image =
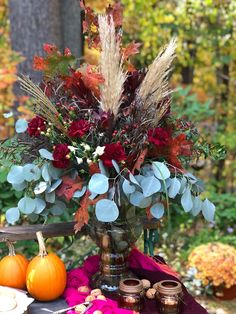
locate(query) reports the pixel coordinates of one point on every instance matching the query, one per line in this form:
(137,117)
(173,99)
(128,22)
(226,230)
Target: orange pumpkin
(46,274)
(13,269)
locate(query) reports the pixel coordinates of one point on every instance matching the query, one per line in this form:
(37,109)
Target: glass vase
(114,241)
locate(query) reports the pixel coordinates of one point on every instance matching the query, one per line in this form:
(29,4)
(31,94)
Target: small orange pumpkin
(46,274)
(13,269)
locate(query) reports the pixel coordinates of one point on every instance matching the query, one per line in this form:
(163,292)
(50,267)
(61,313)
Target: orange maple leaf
(69,187)
(140,160)
(131,49)
(92,80)
(82,215)
(93,168)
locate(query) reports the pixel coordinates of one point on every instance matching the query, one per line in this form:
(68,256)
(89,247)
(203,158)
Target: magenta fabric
(143,266)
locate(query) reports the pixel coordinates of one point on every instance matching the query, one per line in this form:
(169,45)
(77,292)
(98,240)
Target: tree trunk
(36,22)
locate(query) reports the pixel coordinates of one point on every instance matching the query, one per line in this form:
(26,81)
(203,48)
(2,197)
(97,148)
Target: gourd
(13,269)
(46,274)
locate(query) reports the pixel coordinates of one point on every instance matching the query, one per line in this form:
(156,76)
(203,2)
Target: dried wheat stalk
(110,66)
(42,105)
(154,87)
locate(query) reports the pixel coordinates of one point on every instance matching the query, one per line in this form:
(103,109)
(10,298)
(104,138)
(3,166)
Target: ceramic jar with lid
(131,294)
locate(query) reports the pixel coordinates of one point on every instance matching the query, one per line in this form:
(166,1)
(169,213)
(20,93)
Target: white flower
(85,146)
(72,149)
(8,115)
(79,160)
(99,151)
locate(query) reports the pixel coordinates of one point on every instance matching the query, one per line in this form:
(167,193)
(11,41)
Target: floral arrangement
(104,137)
(213,264)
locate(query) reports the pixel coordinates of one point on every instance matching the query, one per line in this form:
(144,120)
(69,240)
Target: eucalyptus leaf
(21,126)
(19,187)
(157,210)
(40,205)
(50,197)
(183,185)
(33,217)
(45,173)
(160,170)
(40,187)
(54,173)
(174,188)
(27,205)
(16,175)
(58,208)
(208,210)
(31,172)
(102,168)
(139,200)
(12,215)
(44,153)
(150,185)
(116,166)
(80,193)
(54,186)
(98,183)
(186,200)
(197,205)
(133,180)
(127,187)
(106,210)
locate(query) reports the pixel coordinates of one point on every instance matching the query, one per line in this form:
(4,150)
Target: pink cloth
(80,277)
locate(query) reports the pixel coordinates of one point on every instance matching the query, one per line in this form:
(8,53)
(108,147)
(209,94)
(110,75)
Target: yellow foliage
(215,264)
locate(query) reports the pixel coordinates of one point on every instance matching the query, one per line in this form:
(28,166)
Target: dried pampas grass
(154,87)
(42,105)
(110,66)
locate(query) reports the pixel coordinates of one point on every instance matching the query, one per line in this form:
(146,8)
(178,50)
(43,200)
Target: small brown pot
(223,293)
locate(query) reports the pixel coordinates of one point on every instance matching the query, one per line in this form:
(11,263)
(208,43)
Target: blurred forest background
(204,78)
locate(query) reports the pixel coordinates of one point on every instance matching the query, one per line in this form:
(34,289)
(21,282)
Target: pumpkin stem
(42,248)
(11,248)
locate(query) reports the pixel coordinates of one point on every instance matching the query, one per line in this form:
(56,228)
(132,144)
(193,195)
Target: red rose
(113,151)
(61,156)
(36,126)
(159,136)
(78,128)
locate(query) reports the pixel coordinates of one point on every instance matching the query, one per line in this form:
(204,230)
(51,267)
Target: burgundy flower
(60,155)
(78,128)
(36,126)
(113,151)
(159,136)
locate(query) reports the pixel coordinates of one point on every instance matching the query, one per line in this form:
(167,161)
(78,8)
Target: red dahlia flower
(78,128)
(61,156)
(36,126)
(159,136)
(113,151)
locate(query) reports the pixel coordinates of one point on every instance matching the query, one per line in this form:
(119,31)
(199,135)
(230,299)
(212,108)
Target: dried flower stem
(42,105)
(154,87)
(110,66)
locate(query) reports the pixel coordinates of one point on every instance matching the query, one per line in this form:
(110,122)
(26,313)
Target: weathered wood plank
(28,232)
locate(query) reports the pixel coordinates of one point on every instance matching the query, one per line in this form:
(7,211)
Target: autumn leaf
(148,213)
(69,186)
(93,168)
(92,80)
(131,49)
(82,215)
(39,63)
(116,11)
(140,160)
